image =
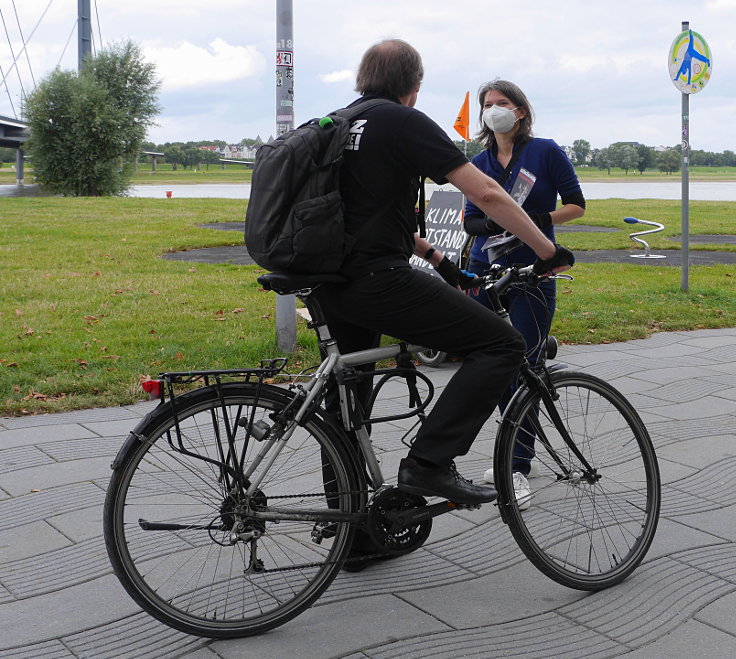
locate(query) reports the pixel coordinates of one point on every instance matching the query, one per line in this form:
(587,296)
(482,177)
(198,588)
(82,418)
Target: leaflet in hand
(503,243)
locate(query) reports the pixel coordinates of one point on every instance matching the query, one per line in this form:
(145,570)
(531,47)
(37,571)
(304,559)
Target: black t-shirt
(391,146)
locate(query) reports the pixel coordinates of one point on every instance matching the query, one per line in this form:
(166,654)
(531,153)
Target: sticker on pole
(690,62)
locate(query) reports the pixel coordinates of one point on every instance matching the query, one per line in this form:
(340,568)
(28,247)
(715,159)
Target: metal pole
(685,228)
(285,304)
(19,174)
(84,31)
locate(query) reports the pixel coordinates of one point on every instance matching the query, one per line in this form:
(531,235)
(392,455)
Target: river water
(699,190)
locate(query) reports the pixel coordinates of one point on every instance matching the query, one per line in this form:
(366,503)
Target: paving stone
(63,612)
(680,533)
(704,449)
(55,570)
(717,560)
(671,471)
(49,476)
(720,614)
(22,457)
(714,339)
(27,436)
(653,601)
(118,429)
(715,522)
(91,447)
(138,636)
(668,433)
(39,505)
(676,373)
(50,649)
(698,409)
(336,630)
(542,636)
(63,418)
(691,639)
(28,540)
(685,391)
(79,525)
(518,592)
(728,394)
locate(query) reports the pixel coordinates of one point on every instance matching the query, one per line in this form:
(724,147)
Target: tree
(668,161)
(87,128)
(645,158)
(581,150)
(209,158)
(175,156)
(602,159)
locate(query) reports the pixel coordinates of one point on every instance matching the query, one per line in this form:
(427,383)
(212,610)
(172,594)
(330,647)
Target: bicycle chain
(301,566)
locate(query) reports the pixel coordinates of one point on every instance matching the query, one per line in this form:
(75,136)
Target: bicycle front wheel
(177,525)
(594,498)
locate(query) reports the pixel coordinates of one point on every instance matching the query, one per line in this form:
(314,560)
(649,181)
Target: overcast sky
(592,70)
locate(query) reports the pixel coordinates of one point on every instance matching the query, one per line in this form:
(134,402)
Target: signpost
(690,65)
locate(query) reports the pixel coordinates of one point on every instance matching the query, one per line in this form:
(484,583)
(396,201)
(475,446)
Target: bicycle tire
(432,358)
(585,534)
(192,578)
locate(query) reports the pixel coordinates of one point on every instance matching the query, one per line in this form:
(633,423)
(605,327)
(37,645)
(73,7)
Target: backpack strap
(349,114)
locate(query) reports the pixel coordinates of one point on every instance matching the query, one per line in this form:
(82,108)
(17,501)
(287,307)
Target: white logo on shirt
(356,132)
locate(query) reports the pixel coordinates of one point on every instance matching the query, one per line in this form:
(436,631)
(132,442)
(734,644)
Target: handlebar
(500,278)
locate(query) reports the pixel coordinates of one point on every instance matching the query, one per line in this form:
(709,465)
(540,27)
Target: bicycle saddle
(286,283)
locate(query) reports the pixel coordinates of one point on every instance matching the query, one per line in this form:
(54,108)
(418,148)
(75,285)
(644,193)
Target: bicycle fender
(135,435)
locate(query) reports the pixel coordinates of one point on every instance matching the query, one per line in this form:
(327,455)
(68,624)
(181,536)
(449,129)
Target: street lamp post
(285,304)
(84,31)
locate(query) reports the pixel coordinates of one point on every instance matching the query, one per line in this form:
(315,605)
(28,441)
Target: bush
(87,128)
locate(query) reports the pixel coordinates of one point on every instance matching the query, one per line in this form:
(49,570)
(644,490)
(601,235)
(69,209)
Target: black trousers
(415,307)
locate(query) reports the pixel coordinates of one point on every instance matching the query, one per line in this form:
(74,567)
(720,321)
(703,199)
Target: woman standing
(534,171)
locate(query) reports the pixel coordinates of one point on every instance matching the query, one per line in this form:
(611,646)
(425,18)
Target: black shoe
(360,550)
(441,482)
(358,560)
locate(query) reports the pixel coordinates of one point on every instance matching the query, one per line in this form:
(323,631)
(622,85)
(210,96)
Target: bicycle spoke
(595,502)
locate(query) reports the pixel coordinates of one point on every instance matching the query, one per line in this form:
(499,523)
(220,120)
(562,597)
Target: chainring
(380,522)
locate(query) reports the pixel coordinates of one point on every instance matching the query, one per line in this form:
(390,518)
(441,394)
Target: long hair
(391,67)
(519,99)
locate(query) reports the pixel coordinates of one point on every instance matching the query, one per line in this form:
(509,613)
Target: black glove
(562,259)
(492,228)
(451,273)
(542,220)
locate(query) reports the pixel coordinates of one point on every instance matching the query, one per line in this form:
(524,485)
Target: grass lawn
(87,306)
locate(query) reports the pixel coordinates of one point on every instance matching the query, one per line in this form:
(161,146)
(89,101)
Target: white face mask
(498,119)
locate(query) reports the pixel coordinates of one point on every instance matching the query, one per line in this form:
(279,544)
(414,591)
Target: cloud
(721,5)
(188,65)
(337,76)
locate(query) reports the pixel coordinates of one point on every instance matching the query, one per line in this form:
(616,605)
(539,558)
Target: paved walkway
(467,592)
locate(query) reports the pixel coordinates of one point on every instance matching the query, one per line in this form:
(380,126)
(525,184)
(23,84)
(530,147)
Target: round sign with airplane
(690,62)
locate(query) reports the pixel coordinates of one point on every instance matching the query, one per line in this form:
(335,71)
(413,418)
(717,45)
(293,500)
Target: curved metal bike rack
(635,237)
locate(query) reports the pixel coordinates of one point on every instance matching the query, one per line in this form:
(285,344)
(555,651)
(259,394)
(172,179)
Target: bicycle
(232,507)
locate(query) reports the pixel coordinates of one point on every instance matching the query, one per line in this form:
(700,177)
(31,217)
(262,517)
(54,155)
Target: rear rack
(268,368)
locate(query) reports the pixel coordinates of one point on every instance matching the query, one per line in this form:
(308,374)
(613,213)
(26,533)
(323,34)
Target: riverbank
(234,174)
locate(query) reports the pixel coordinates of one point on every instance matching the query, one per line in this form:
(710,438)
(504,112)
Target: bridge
(13,133)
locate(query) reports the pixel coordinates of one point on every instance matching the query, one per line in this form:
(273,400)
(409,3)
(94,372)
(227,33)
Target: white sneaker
(521,488)
(533,471)
(521,491)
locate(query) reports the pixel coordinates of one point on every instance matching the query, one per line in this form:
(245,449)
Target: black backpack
(294,221)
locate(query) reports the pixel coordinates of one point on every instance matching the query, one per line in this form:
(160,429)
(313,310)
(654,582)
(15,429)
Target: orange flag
(462,123)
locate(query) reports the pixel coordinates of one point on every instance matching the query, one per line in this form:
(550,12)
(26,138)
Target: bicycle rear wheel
(177,527)
(586,528)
